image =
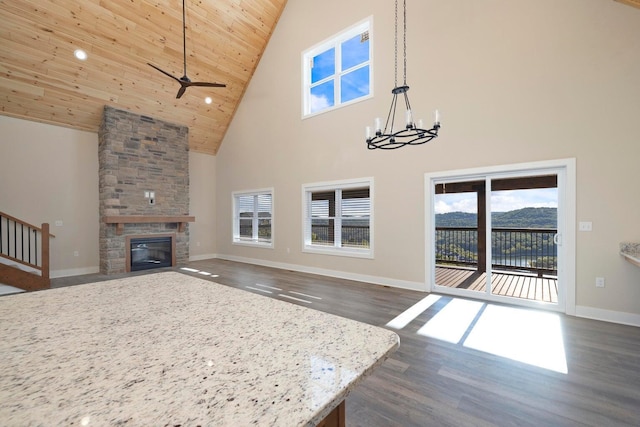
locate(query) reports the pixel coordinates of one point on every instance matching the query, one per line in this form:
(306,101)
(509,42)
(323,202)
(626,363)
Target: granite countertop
(631,252)
(169,349)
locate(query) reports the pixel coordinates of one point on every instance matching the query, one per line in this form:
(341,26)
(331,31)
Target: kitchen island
(169,349)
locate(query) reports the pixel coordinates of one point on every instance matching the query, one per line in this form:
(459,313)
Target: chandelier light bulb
(368,132)
(409,119)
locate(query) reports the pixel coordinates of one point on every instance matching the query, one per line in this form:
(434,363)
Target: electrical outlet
(585,226)
(599,282)
(58,223)
(76,253)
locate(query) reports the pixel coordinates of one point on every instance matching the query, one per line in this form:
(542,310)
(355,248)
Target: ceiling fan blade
(184,80)
(164,72)
(206,84)
(181,91)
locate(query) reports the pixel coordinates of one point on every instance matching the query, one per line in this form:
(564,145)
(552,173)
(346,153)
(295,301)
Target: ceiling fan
(185,81)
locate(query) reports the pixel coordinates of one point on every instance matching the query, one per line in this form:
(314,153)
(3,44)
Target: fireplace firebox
(150,252)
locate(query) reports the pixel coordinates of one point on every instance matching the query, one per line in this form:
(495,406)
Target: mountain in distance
(520,218)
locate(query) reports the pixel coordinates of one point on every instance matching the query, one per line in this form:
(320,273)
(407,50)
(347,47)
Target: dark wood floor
(510,284)
(430,382)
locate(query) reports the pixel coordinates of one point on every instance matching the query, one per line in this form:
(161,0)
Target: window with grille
(338,218)
(253,217)
(338,71)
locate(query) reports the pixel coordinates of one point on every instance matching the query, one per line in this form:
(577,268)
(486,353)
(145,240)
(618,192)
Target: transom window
(253,217)
(338,71)
(338,218)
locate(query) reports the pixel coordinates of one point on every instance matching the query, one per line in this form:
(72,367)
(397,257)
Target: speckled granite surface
(631,251)
(170,349)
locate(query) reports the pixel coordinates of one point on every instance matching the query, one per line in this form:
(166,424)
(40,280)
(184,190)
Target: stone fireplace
(144,186)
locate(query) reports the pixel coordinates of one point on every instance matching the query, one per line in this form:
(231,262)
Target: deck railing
(526,249)
(352,235)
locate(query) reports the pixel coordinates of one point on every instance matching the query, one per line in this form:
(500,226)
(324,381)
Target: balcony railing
(352,235)
(525,249)
(264,231)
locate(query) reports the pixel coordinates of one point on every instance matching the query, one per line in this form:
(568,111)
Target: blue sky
(501,201)
(353,85)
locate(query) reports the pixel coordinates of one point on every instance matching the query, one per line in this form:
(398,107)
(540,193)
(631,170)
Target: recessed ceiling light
(80,54)
(208,100)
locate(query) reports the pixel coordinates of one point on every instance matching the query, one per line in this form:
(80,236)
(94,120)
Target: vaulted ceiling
(41,80)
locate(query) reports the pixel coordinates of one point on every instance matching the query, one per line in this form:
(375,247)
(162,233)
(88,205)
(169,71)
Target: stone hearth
(140,156)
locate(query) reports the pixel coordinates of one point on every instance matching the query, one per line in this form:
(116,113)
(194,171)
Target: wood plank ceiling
(634,3)
(41,80)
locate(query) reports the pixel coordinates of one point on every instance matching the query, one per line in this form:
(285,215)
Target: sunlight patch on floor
(294,298)
(268,287)
(407,316)
(259,289)
(194,270)
(528,336)
(304,295)
(452,321)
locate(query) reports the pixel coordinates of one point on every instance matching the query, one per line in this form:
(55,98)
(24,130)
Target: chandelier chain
(396,47)
(404,41)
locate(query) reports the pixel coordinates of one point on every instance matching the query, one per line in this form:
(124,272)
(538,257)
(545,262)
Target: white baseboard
(383,281)
(202,257)
(74,272)
(608,315)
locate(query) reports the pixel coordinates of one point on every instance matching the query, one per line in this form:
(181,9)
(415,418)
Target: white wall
(516,82)
(48,174)
(202,191)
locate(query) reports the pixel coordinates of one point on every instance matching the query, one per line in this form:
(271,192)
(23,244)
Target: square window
(339,70)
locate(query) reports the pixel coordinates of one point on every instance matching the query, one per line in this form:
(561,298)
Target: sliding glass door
(498,235)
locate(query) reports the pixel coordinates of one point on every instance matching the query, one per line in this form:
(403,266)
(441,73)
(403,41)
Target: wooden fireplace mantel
(121,220)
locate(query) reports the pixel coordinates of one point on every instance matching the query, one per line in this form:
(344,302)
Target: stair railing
(26,244)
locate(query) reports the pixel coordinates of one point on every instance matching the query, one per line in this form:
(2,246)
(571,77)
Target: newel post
(46,281)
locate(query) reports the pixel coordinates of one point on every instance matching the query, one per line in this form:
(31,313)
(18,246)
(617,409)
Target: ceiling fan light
(80,54)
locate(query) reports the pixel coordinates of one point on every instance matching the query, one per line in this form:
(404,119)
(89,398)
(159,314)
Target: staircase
(24,254)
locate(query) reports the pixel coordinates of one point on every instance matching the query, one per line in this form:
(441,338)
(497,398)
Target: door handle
(557,239)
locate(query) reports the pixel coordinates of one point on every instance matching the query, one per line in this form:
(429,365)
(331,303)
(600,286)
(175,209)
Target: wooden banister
(14,276)
(21,222)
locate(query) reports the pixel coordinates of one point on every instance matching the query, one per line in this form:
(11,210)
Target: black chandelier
(413,132)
